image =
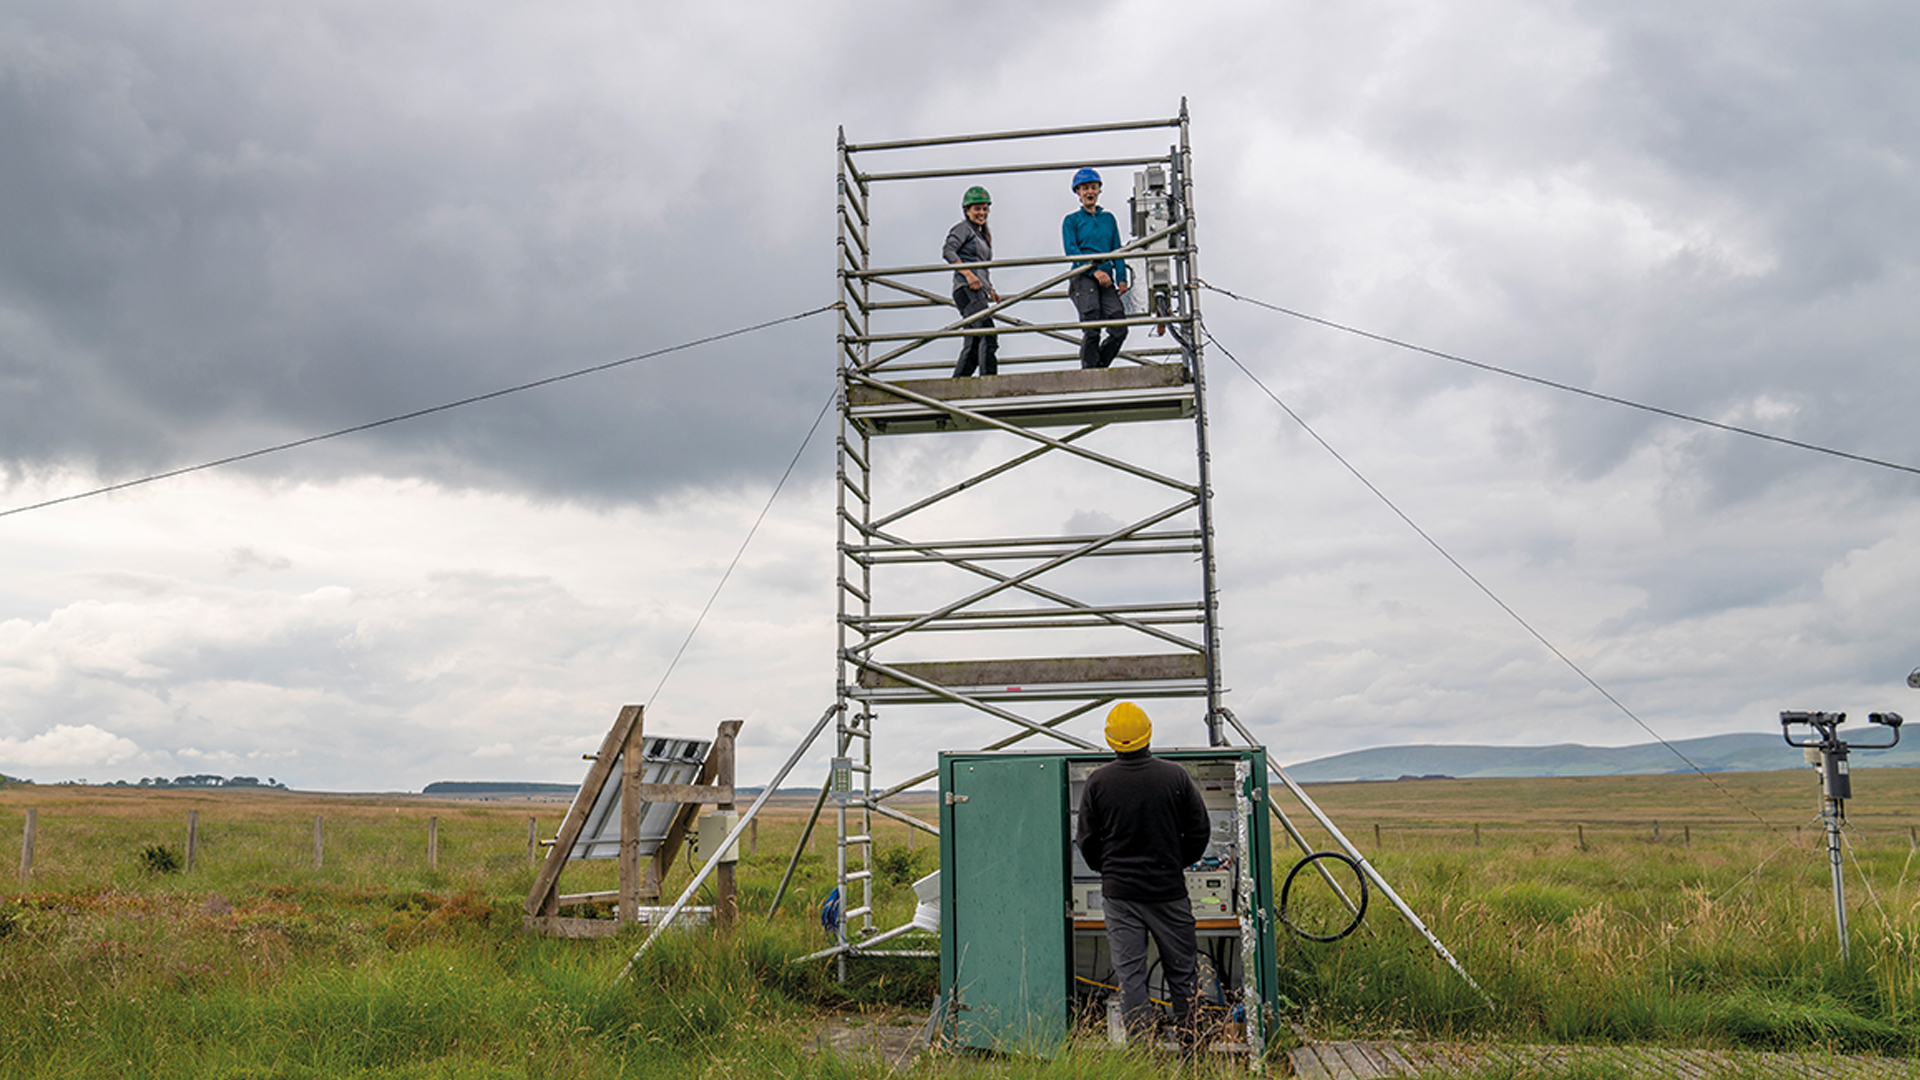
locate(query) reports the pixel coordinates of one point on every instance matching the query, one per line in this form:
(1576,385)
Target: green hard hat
(976,196)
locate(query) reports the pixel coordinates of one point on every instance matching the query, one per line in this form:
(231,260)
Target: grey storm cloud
(208,246)
(226,230)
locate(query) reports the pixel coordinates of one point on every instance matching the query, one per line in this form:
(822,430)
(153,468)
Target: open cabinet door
(1004,962)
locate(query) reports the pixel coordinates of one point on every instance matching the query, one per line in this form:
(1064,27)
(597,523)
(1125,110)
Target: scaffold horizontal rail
(1028,399)
(1025,167)
(1003,136)
(939,549)
(1012,330)
(1183,609)
(1134,250)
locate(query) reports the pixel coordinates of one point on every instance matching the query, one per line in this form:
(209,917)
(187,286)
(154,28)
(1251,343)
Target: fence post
(433,843)
(753,838)
(319,830)
(1687,831)
(193,838)
(1656,832)
(26,845)
(726,896)
(533,841)
(1580,831)
(1376,837)
(1913,835)
(1476,834)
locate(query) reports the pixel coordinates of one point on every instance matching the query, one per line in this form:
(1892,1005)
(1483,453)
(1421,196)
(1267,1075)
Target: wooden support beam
(543,898)
(1028,384)
(632,761)
(1045,671)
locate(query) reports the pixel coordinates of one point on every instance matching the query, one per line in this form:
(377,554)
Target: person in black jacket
(1142,823)
(968,242)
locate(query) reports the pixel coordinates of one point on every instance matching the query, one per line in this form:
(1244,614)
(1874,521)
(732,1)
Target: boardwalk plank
(1376,1060)
(1357,1065)
(1368,1060)
(1306,1063)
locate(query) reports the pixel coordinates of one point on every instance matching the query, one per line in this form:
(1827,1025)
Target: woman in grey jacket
(972,242)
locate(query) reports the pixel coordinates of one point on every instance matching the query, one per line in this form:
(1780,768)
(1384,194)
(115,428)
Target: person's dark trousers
(982,351)
(1096,301)
(1171,924)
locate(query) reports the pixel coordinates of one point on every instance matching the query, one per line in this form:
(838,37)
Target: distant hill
(497,787)
(1740,752)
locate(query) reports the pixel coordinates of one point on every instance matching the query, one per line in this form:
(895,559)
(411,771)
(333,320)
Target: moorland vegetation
(1650,910)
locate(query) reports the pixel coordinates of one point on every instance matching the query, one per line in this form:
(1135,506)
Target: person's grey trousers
(1171,924)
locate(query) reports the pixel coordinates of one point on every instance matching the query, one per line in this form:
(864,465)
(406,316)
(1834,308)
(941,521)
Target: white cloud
(67,746)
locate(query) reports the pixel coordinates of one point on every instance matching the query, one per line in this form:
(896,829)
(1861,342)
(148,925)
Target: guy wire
(695,628)
(1490,594)
(1582,391)
(417,413)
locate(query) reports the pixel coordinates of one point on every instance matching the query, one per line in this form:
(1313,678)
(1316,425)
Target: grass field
(1579,923)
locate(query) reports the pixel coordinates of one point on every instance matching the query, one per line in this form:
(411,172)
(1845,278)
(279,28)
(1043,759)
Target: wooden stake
(193,838)
(533,841)
(753,838)
(1687,832)
(1580,831)
(1376,836)
(433,843)
(26,845)
(1656,832)
(1476,834)
(319,833)
(726,901)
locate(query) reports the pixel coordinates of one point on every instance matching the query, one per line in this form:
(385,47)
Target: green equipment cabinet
(1023,949)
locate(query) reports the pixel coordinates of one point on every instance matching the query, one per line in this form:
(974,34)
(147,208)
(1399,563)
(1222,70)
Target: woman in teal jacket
(1095,294)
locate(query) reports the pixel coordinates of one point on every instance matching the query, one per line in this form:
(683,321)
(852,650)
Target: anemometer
(1825,750)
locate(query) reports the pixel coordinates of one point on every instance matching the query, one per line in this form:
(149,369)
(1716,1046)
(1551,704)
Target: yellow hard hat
(1128,728)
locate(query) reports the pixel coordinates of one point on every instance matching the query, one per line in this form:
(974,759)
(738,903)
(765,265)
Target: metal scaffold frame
(884,392)
(1046,408)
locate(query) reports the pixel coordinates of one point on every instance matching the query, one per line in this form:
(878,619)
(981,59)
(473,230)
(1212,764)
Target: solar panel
(663,760)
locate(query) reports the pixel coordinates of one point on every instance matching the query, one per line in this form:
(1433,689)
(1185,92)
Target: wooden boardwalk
(1365,1060)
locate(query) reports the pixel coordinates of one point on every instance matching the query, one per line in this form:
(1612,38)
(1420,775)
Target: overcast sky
(226,225)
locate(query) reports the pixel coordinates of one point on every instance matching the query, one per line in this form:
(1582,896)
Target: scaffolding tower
(929,580)
(1055,622)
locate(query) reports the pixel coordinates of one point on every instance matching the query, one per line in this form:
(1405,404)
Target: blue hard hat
(1085,176)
